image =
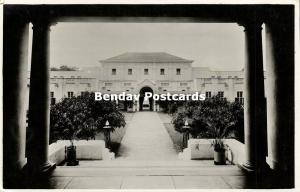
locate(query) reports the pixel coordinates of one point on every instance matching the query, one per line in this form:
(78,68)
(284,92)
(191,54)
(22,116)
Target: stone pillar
(280,92)
(15,66)
(254,96)
(133,105)
(39,97)
(138,106)
(154,105)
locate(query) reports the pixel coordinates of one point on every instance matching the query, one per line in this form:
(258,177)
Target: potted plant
(69,120)
(219,151)
(218,142)
(81,117)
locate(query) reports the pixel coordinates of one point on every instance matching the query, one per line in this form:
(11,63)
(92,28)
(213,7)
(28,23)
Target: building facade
(137,72)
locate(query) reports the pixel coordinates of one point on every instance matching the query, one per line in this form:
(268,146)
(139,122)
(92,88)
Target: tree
(82,117)
(64,68)
(212,118)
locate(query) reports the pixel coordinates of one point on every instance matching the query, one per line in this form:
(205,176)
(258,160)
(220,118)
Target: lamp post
(107,128)
(185,138)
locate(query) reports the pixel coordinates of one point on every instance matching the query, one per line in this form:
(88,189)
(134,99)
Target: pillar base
(39,170)
(47,167)
(249,168)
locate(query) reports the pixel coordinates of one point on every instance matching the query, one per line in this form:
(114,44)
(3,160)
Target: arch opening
(145,105)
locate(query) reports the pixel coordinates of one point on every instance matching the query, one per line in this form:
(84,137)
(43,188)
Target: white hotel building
(137,72)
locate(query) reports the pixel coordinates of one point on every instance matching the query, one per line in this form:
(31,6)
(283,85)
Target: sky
(219,46)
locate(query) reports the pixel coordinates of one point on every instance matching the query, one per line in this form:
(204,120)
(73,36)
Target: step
(128,169)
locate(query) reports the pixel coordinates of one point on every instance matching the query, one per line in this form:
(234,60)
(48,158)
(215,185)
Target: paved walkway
(146,139)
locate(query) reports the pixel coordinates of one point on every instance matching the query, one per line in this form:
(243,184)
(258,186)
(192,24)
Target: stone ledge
(201,149)
(85,150)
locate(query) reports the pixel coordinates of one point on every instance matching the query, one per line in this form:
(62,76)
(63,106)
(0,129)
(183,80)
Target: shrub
(170,107)
(212,118)
(82,117)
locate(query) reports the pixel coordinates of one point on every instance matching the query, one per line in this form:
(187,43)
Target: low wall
(85,150)
(235,151)
(202,149)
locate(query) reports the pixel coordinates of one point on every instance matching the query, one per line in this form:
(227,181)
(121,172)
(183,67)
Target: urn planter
(71,158)
(219,157)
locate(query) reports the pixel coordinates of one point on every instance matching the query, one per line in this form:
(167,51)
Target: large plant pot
(71,158)
(219,157)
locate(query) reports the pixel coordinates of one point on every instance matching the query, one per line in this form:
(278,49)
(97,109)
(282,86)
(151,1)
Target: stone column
(15,66)
(280,92)
(154,105)
(138,105)
(133,105)
(39,97)
(254,96)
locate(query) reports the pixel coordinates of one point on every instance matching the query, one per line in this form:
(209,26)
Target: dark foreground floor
(150,175)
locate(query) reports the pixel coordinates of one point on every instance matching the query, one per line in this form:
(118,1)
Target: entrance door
(145,105)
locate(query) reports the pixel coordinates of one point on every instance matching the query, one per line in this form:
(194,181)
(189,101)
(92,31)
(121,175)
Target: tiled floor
(147,175)
(148,182)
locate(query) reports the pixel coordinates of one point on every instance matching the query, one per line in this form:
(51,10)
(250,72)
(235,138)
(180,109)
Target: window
(53,101)
(70,94)
(183,84)
(164,84)
(178,71)
(239,97)
(129,71)
(239,94)
(84,93)
(162,71)
(146,71)
(108,84)
(221,94)
(208,94)
(113,71)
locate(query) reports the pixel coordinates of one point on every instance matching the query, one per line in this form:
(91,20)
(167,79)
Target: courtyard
(146,146)
(147,158)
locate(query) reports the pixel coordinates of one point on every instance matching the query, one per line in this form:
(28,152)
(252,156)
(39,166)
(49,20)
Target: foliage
(82,117)
(64,68)
(170,107)
(218,144)
(212,118)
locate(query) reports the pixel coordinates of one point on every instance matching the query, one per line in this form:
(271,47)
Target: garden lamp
(186,134)
(107,128)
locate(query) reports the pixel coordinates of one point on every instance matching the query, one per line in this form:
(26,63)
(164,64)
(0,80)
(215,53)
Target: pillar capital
(43,18)
(250,25)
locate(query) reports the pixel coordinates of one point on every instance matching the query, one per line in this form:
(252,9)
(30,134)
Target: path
(146,139)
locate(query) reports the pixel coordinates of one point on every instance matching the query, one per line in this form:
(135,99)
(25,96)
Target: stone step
(148,171)
(127,163)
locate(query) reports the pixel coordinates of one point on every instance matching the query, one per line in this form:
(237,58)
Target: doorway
(145,105)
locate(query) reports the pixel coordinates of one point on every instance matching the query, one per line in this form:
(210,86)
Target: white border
(246,2)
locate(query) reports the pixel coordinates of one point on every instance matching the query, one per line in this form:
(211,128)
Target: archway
(145,106)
